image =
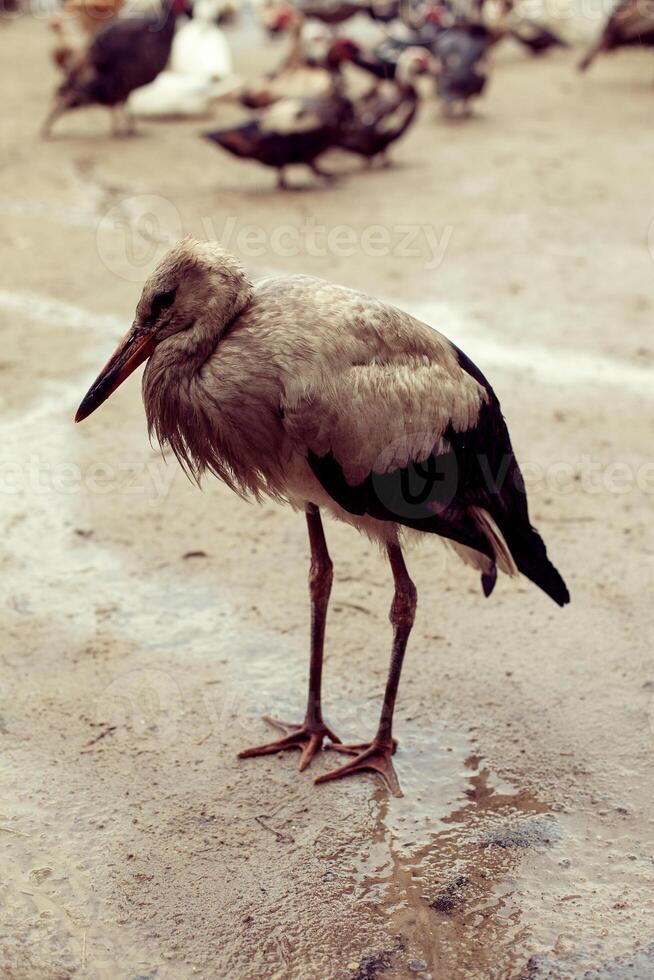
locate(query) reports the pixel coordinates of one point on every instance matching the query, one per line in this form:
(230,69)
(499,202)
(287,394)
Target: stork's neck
(177,359)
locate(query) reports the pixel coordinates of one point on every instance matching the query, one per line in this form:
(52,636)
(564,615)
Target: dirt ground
(146,626)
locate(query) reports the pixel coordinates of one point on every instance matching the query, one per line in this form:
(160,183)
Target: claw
(307,738)
(368,757)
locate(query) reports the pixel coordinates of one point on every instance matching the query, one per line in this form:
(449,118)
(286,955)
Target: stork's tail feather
(542,573)
(496,540)
(520,553)
(531,558)
(488,580)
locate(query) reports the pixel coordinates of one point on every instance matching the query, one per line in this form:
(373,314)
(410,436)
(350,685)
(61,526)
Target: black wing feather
(436,495)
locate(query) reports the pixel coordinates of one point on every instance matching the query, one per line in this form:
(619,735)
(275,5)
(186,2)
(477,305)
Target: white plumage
(200,47)
(199,71)
(172,95)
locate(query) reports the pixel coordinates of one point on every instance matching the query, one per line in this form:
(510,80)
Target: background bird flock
(329,91)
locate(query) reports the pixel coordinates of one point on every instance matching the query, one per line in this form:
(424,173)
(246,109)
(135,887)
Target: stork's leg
(308,737)
(376,756)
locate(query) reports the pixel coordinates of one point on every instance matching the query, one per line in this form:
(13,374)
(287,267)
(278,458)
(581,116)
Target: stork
(327,399)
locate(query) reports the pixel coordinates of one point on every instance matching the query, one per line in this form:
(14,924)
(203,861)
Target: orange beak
(132,351)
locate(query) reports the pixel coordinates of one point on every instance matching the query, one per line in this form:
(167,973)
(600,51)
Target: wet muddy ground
(146,626)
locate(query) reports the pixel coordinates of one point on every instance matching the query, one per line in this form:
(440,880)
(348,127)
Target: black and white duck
(382,115)
(292,131)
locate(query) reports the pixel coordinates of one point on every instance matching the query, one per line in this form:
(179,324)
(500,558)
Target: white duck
(200,47)
(173,96)
(199,70)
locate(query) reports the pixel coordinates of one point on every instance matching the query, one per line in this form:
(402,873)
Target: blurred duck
(631,23)
(64,51)
(87,18)
(383,115)
(292,131)
(534,36)
(299,78)
(93,15)
(382,60)
(338,11)
(199,72)
(224,11)
(173,96)
(461,52)
(460,47)
(309,38)
(127,54)
(200,47)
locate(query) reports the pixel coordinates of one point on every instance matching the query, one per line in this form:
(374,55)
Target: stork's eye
(160,303)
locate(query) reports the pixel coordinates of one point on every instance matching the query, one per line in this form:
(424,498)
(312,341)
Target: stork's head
(188,300)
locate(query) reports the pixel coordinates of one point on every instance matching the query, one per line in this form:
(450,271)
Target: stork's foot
(307,738)
(375,756)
